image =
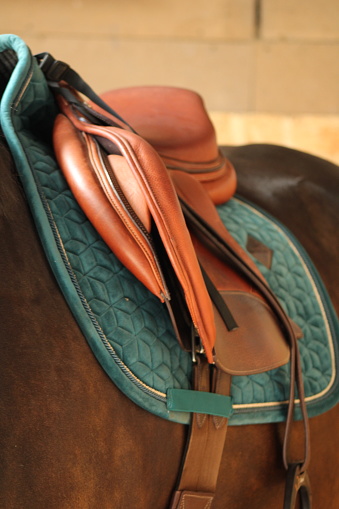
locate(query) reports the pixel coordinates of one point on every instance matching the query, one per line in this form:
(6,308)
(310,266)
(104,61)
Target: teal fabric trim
(21,74)
(179,400)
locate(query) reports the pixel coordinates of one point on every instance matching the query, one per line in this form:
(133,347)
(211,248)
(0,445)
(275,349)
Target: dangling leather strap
(198,479)
(297,481)
(209,232)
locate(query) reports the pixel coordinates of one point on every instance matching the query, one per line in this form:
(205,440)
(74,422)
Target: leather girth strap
(199,474)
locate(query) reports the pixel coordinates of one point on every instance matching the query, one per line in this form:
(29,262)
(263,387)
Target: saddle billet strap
(219,302)
(200,469)
(56,71)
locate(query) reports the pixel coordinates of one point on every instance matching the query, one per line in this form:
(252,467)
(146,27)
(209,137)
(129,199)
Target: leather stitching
(191,496)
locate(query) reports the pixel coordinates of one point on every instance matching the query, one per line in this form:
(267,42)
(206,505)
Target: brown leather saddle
(150,191)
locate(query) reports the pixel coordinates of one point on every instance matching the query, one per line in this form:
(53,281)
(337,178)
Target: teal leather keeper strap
(181,400)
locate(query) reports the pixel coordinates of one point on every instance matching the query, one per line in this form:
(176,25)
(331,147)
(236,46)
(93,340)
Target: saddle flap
(257,344)
(81,162)
(136,253)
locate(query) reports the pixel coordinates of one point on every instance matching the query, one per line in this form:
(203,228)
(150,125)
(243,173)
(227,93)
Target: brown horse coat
(70,439)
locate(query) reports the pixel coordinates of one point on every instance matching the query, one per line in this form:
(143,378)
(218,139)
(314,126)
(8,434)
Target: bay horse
(70,439)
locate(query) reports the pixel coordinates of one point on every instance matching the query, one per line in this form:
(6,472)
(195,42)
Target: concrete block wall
(245,57)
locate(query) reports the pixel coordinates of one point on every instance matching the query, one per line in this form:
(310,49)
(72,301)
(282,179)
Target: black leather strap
(219,302)
(56,71)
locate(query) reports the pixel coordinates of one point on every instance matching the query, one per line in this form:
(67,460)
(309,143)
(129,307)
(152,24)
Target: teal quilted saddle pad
(127,328)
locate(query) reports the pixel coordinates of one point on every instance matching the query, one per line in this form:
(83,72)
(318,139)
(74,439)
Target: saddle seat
(175,122)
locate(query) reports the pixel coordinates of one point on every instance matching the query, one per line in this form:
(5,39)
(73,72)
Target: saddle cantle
(175,122)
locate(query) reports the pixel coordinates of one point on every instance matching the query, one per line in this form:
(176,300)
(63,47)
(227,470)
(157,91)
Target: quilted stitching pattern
(132,319)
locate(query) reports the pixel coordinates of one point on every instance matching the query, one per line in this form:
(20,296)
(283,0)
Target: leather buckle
(297,482)
(197,347)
